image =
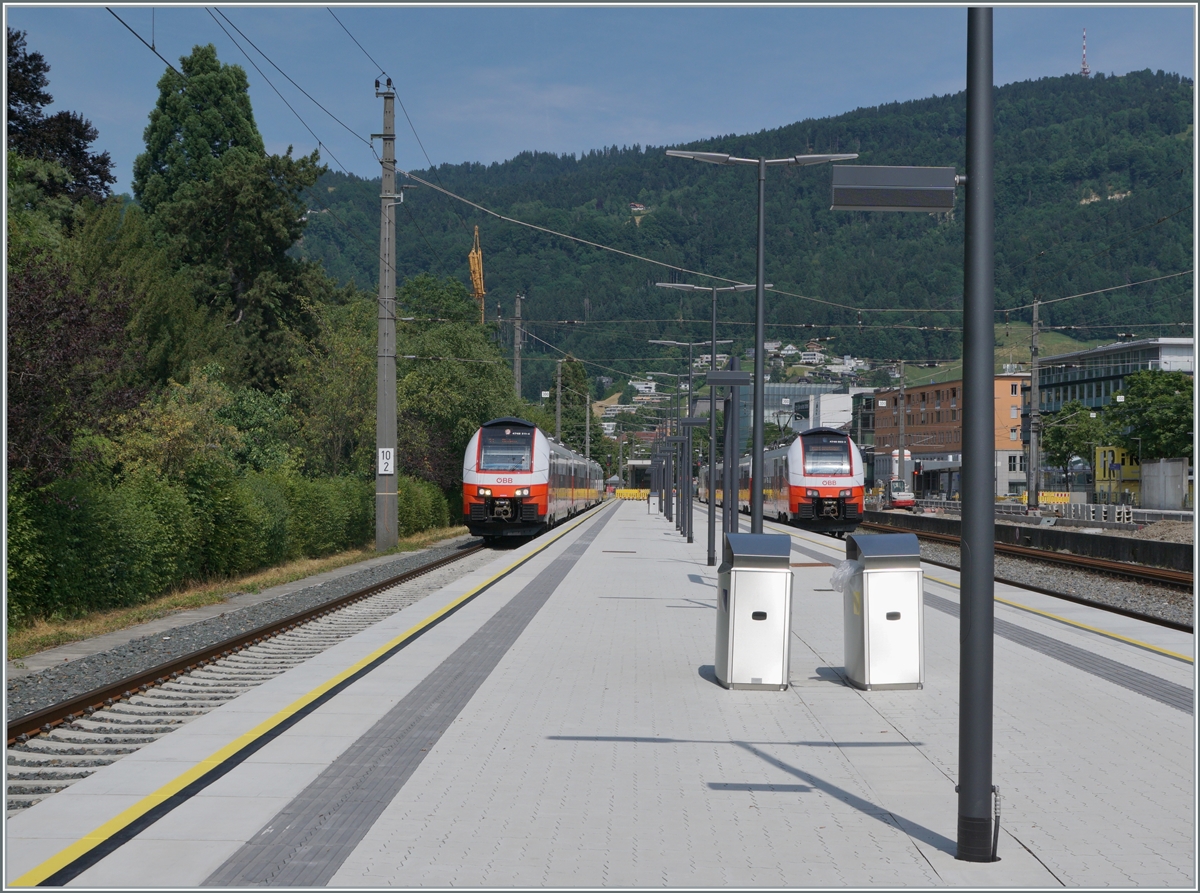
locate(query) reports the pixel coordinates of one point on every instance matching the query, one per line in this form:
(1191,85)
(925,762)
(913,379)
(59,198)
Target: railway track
(53,748)
(1139,572)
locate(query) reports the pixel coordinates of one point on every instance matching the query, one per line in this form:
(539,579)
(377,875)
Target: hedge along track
(53,748)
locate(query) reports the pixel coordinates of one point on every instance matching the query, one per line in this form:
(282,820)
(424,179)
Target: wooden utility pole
(386,509)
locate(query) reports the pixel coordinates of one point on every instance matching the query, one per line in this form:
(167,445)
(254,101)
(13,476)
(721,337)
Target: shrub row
(80,545)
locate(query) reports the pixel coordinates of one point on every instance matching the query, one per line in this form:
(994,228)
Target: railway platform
(552,720)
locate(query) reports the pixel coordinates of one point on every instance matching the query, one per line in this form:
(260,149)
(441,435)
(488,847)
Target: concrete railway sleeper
(53,748)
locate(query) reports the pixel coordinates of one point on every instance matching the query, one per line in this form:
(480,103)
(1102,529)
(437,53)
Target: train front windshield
(826,454)
(506,449)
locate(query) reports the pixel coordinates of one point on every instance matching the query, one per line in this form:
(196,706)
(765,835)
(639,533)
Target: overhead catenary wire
(148,46)
(233,40)
(349,129)
(319,142)
(1101,291)
(407,118)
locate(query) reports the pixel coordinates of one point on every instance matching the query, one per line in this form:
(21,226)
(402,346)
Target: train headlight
(485,491)
(844,493)
(523,491)
(813,492)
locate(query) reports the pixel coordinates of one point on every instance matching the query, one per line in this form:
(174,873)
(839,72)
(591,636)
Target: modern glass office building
(1093,376)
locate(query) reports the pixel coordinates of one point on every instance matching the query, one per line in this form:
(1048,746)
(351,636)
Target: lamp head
(710,157)
(820,159)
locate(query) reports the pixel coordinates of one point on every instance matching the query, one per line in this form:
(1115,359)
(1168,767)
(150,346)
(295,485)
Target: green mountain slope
(1093,190)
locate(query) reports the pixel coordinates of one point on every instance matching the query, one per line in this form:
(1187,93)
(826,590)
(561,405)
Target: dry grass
(50,634)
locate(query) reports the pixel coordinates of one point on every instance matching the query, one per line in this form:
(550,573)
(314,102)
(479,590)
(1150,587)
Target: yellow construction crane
(476,260)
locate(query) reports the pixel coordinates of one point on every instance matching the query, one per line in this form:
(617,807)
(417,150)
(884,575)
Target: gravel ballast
(36,691)
(1163,602)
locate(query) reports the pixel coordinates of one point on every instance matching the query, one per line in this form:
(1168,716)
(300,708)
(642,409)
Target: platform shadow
(808,781)
(829,674)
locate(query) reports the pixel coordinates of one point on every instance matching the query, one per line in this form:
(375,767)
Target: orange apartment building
(933,435)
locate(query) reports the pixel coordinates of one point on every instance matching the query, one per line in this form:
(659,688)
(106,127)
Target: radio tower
(1085,71)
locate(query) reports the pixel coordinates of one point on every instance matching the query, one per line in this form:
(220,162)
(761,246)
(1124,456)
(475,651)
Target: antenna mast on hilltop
(1085,71)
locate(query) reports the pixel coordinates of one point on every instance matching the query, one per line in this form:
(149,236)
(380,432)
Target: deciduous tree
(1157,411)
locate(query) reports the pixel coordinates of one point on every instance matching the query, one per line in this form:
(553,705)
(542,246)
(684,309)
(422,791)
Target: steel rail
(48,718)
(1140,572)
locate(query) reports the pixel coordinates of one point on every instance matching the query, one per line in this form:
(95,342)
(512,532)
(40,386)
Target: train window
(506,449)
(826,454)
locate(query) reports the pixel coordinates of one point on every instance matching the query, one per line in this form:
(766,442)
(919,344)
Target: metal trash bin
(884,620)
(754,611)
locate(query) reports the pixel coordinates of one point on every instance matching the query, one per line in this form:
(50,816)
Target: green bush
(328,514)
(84,545)
(421,505)
(96,543)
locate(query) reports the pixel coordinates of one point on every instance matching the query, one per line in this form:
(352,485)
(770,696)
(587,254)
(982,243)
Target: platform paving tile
(67,817)
(607,695)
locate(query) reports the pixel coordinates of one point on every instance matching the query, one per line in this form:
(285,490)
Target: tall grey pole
(900,469)
(691,402)
(712,444)
(386,508)
(756,448)
(587,424)
(678,453)
(1035,420)
(976,617)
(558,406)
(517,334)
(733,451)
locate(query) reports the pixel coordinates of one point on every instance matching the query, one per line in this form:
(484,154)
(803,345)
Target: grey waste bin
(884,623)
(754,611)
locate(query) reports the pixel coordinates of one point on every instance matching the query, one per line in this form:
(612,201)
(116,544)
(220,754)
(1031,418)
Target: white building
(644,387)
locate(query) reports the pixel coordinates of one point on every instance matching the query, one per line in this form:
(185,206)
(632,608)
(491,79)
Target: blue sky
(484,83)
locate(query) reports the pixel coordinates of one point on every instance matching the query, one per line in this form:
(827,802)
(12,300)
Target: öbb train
(815,482)
(518,482)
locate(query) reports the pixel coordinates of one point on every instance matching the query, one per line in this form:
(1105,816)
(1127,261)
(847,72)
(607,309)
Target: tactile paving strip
(307,842)
(1170,693)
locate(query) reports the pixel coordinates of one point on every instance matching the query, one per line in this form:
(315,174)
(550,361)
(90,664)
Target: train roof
(507,420)
(824,431)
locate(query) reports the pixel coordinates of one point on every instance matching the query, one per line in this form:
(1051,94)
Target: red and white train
(518,482)
(815,482)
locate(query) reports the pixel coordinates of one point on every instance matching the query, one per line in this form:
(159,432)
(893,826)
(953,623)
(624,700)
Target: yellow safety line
(96,837)
(1032,610)
(1075,623)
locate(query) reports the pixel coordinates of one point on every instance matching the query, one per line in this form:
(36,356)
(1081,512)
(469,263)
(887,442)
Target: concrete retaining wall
(1177,556)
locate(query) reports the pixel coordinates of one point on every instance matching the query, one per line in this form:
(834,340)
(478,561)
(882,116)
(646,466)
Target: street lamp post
(712,415)
(712,409)
(756,454)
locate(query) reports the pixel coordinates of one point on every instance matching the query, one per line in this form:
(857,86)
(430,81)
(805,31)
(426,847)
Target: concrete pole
(386,507)
(903,412)
(1035,421)
(517,336)
(558,406)
(587,424)
(977,614)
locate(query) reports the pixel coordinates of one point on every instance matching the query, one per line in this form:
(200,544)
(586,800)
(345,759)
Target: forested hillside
(1093,188)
